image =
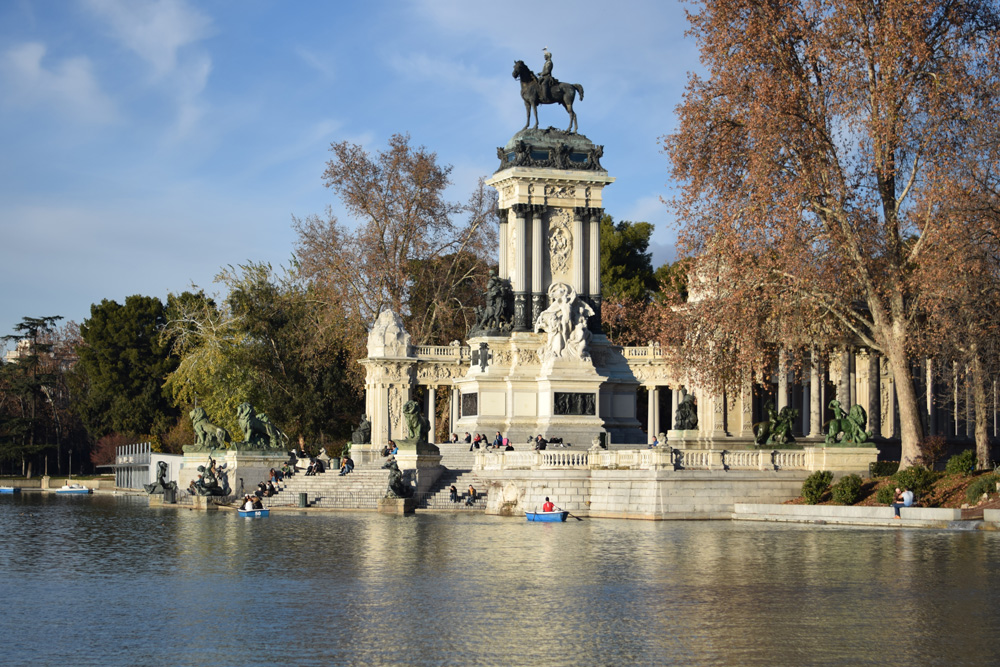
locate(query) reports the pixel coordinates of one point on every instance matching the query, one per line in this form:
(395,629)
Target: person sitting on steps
(472,497)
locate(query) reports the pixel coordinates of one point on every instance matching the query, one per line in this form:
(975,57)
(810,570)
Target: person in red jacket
(548,506)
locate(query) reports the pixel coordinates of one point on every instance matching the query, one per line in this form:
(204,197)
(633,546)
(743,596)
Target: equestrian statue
(545,89)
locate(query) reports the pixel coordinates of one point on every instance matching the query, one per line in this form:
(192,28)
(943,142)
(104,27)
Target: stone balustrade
(837,459)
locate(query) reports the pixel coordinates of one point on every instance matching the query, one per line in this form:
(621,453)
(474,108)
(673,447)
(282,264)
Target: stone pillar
(519,276)
(815,397)
(579,266)
(746,397)
(432,413)
(453,412)
(504,244)
(656,411)
(650,417)
(874,393)
(594,279)
(537,254)
(719,415)
(674,402)
(852,377)
(782,379)
(843,384)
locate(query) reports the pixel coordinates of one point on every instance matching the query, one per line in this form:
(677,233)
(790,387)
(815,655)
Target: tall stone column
(504,244)
(746,398)
(656,411)
(815,397)
(519,278)
(782,379)
(537,254)
(650,417)
(843,384)
(579,266)
(852,376)
(432,413)
(874,393)
(594,280)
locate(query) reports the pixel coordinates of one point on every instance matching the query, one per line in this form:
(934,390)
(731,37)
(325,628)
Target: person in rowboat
(548,506)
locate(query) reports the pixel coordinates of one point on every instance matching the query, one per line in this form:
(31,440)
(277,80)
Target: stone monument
(542,365)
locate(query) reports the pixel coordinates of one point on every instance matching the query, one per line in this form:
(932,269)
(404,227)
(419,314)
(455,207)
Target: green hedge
(882,468)
(847,490)
(884,495)
(916,478)
(984,484)
(961,464)
(816,485)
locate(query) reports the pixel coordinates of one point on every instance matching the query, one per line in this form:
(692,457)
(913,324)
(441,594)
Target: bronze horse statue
(559,93)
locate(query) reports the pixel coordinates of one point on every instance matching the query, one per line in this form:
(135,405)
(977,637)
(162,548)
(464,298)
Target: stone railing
(809,458)
(441,352)
(642,352)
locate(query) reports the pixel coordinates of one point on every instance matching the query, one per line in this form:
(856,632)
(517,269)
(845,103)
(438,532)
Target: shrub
(932,450)
(847,490)
(916,478)
(882,468)
(961,464)
(984,484)
(884,495)
(816,485)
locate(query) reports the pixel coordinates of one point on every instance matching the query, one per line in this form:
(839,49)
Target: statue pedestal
(364,454)
(426,468)
(683,439)
(242,471)
(397,505)
(204,503)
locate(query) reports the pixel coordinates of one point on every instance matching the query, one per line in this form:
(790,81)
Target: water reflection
(106,580)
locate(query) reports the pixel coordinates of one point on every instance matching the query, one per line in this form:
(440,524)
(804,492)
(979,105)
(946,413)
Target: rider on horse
(545,78)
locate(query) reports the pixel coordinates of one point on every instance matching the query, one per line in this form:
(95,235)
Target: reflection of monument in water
(537,361)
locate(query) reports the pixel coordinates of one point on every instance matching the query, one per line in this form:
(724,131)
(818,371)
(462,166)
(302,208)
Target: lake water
(107,580)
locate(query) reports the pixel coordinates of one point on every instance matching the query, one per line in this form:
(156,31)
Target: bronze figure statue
(397,487)
(545,89)
(161,484)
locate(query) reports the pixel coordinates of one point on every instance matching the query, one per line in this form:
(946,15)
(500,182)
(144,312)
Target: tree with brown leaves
(816,160)
(412,250)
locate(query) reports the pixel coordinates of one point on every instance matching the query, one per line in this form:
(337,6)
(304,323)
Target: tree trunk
(911,430)
(979,401)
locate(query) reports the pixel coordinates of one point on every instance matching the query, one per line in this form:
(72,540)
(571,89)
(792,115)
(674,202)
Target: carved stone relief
(560,240)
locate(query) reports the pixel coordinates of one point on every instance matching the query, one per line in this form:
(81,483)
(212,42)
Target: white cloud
(158,31)
(154,29)
(319,62)
(69,85)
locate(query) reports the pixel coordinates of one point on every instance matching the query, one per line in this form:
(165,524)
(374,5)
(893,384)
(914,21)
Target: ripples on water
(107,580)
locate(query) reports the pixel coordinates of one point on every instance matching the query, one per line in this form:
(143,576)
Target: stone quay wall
(639,494)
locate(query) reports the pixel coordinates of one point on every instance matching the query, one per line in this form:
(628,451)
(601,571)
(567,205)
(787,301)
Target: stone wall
(639,494)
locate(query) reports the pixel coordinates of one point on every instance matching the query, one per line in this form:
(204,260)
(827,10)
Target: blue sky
(147,143)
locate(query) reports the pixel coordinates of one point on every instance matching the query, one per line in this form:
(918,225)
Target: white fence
(809,458)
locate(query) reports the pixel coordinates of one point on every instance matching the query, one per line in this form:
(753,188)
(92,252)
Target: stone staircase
(367,483)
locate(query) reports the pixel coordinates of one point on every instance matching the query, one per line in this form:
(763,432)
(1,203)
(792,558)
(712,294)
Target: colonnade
(535,240)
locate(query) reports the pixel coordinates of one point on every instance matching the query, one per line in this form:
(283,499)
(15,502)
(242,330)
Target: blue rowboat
(73,489)
(547,516)
(254,514)
(10,489)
